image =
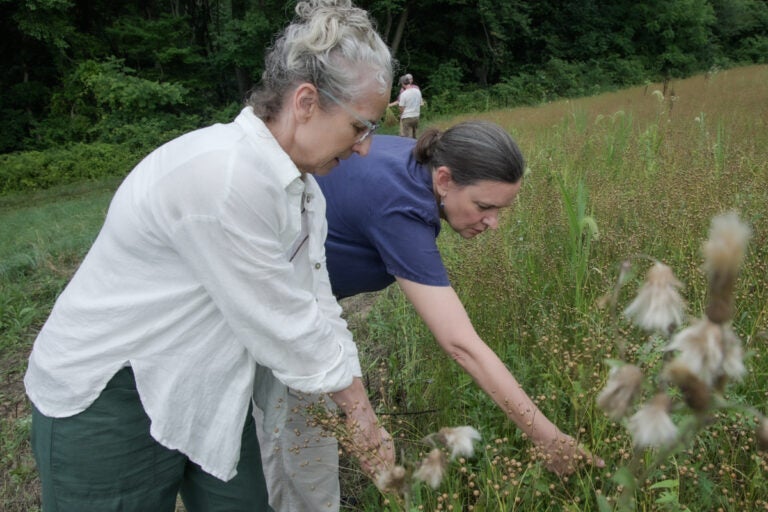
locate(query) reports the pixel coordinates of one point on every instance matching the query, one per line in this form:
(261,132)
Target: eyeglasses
(370,127)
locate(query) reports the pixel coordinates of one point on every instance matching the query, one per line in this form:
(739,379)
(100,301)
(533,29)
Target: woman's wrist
(540,430)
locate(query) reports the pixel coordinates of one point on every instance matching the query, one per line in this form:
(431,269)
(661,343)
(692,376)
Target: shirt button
(317,266)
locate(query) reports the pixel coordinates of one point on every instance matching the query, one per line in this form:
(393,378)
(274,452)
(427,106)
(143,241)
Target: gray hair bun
(330,44)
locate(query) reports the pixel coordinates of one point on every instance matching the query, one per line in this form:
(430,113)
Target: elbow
(469,352)
(459,353)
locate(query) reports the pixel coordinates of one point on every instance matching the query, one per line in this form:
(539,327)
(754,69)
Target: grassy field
(631,174)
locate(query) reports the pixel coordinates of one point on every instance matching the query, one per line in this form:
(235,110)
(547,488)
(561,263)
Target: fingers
(584,456)
(595,460)
(372,446)
(563,455)
(387,448)
(374,462)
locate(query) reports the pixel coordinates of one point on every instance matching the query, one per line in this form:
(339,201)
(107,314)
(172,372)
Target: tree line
(140,71)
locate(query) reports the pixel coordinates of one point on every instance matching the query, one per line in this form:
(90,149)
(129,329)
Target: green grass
(44,236)
(650,172)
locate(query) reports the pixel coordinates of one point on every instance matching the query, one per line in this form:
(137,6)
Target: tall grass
(650,172)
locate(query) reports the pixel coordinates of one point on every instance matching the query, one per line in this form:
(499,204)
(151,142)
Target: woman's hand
(563,455)
(371,445)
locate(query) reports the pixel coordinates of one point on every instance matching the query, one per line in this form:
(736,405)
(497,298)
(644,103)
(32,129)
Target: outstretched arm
(442,311)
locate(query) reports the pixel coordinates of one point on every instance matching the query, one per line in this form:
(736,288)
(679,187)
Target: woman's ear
(304,101)
(443,179)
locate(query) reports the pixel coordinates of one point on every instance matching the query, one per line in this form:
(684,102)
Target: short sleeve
(406,242)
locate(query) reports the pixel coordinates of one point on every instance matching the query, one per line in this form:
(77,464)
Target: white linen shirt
(190,283)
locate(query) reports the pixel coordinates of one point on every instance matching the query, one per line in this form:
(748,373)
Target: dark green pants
(104,460)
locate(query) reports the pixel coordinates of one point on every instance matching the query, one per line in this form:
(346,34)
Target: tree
(245,31)
(742,29)
(32,51)
(479,36)
(674,37)
(212,51)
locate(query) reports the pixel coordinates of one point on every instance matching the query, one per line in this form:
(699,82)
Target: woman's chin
(469,233)
(323,169)
(328,167)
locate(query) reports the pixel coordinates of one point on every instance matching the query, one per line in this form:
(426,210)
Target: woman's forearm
(493,377)
(365,438)
(353,400)
(442,311)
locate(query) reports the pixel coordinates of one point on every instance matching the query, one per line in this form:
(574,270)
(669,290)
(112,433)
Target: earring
(442,202)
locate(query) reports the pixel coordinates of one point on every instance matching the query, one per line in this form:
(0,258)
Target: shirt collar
(286,172)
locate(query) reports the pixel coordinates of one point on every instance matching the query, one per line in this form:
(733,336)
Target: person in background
(402,82)
(409,102)
(211,263)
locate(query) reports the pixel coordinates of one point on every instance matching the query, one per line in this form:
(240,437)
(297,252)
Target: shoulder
(205,169)
(413,95)
(376,178)
(387,155)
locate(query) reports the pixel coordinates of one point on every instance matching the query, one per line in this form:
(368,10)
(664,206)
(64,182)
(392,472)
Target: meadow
(634,174)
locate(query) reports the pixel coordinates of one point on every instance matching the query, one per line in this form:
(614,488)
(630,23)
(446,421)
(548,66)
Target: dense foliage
(139,72)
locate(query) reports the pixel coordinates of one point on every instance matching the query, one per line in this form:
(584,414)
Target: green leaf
(602,504)
(614,363)
(624,477)
(667,497)
(666,484)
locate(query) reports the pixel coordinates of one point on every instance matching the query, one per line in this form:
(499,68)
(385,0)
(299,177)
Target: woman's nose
(492,221)
(362,148)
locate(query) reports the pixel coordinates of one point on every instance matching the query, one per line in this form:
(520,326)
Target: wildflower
(658,305)
(459,440)
(700,349)
(432,468)
(696,393)
(621,389)
(651,425)
(723,255)
(710,351)
(392,479)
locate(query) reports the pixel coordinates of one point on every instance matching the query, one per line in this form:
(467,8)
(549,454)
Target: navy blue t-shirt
(382,220)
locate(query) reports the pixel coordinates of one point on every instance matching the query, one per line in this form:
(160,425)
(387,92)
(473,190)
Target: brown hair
(473,151)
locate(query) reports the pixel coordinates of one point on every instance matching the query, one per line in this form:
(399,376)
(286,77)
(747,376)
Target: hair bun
(307,9)
(426,145)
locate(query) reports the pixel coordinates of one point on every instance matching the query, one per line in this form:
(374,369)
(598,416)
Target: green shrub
(32,170)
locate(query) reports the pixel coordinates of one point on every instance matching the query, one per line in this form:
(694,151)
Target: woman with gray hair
(210,263)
